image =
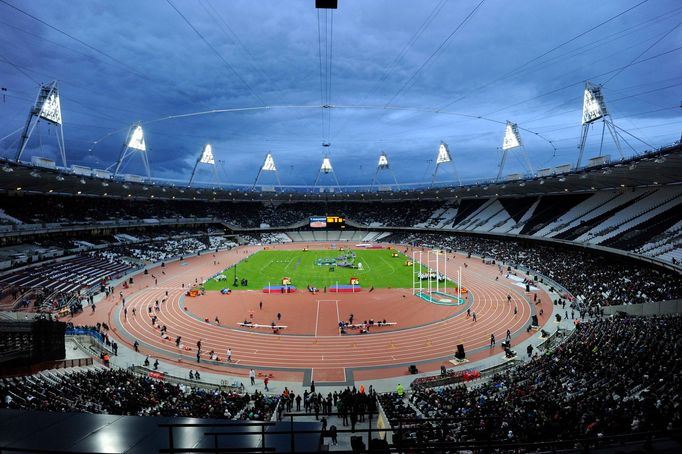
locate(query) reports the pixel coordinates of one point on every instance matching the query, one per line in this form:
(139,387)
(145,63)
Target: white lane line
(317,317)
(338,317)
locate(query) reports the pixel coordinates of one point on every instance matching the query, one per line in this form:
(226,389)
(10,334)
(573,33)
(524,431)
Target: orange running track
(311,348)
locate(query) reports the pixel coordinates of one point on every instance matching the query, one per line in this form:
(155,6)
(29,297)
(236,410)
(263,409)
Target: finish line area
(399,327)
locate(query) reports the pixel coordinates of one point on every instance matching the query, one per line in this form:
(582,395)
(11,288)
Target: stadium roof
(301,83)
(660,168)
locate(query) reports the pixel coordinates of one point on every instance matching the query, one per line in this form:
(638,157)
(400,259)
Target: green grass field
(380,270)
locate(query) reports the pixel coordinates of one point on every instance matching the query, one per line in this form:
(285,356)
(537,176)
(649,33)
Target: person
(298,402)
(473,316)
(529,350)
(125,313)
(252,376)
(229,355)
(333,435)
(279,316)
(156,365)
(266,380)
(260,305)
(508,338)
(106,359)
(133,312)
(197,376)
(146,362)
(400,390)
(198,356)
(492,340)
(312,387)
(136,346)
(191,375)
(114,347)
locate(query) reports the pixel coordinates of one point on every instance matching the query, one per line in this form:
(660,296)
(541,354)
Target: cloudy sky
(401,76)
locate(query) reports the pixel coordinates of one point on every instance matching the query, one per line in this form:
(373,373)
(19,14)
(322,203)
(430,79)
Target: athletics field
(379,270)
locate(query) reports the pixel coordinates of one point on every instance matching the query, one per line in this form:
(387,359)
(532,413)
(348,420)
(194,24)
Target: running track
(324,358)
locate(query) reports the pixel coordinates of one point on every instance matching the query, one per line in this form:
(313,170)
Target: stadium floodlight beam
(46,107)
(206,157)
(134,144)
(594,108)
(512,140)
(383,164)
(268,166)
(443,157)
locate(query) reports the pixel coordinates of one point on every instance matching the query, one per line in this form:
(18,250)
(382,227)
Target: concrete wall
(658,308)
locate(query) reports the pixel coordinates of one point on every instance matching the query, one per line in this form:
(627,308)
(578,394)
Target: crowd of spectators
(42,209)
(163,248)
(597,279)
(612,376)
(119,392)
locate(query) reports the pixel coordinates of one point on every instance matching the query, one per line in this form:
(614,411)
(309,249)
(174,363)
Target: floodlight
(207,155)
(594,106)
(443,154)
(511,136)
(136,141)
(269,163)
(326,165)
(383,161)
(51,108)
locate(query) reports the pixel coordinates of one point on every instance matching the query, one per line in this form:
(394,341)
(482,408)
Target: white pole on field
(420,271)
(414,290)
(437,270)
(459,284)
(445,272)
(428,267)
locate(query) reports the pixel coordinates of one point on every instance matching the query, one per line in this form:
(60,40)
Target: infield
(375,268)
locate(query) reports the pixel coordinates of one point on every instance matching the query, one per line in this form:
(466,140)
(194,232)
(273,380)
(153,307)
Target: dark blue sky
(128,61)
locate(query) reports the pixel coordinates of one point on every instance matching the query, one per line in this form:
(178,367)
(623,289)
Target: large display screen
(322,222)
(318,222)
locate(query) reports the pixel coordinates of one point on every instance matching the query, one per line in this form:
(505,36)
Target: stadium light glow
(383,161)
(207,155)
(269,164)
(594,107)
(136,141)
(512,139)
(443,154)
(326,165)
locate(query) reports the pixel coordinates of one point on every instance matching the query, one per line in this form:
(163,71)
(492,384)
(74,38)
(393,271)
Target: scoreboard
(327,222)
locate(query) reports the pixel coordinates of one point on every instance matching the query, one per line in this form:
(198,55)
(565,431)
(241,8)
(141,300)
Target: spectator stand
(235,387)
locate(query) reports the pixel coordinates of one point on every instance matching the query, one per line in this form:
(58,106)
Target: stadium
(340,226)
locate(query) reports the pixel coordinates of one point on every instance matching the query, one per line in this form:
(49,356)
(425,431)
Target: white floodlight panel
(383,161)
(326,165)
(269,164)
(511,137)
(207,155)
(136,141)
(51,109)
(443,154)
(593,107)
